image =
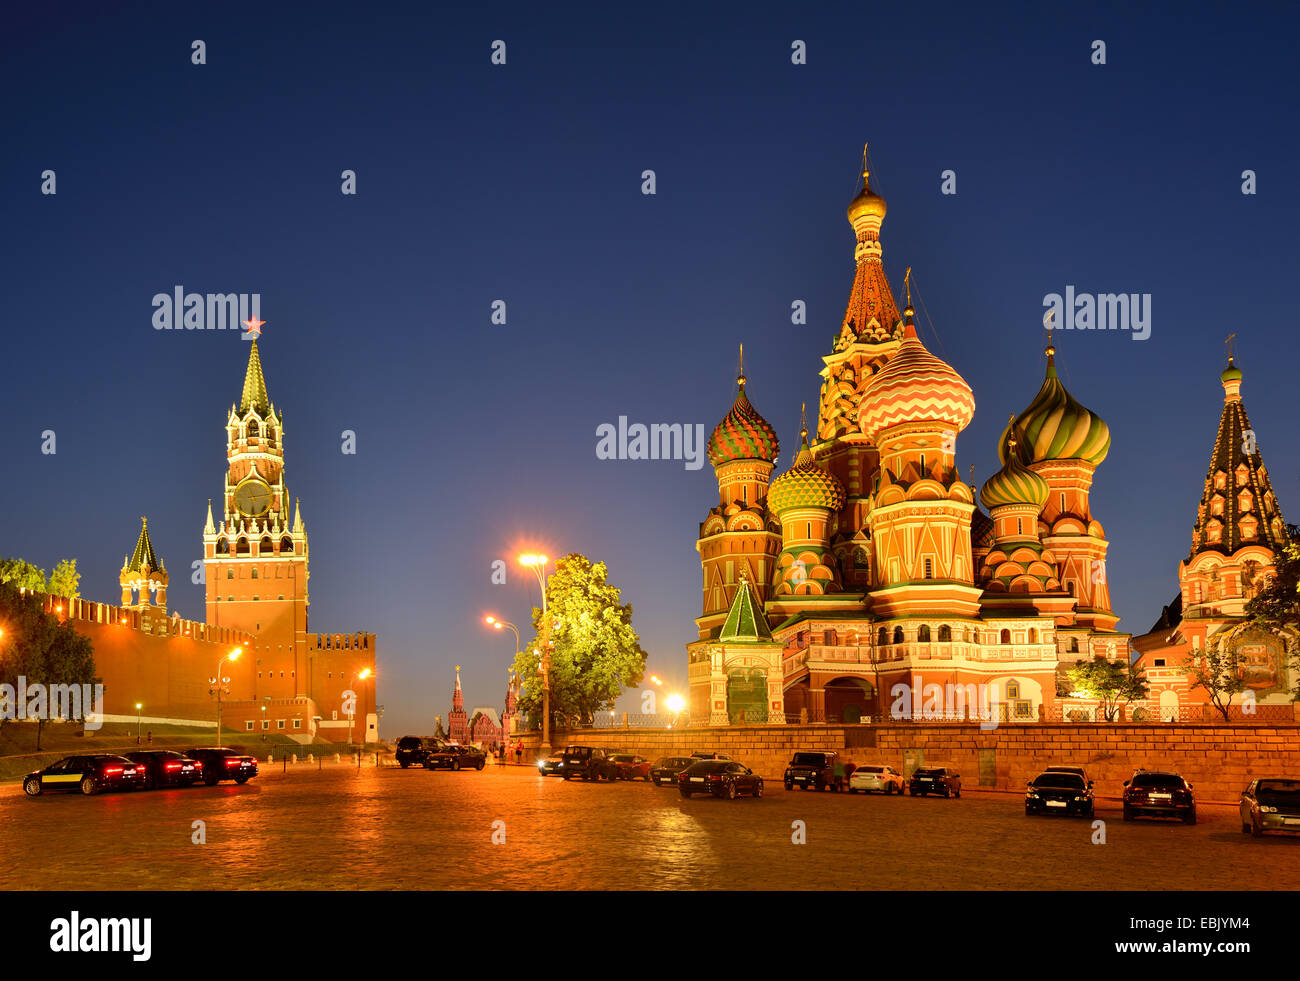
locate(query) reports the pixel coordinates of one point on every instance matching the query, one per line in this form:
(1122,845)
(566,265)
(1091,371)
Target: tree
(1110,682)
(22,575)
(1218,671)
(64,579)
(40,649)
(595,652)
(1276,607)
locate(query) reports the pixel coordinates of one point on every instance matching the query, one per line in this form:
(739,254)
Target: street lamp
(538,564)
(139,707)
(675,705)
(220,686)
(496,624)
(362,676)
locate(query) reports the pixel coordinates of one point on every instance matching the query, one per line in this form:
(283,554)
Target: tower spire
(254,385)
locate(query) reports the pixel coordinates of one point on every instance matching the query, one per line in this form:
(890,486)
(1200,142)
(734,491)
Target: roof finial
(1049,321)
(1011,435)
(803,421)
(740,368)
(972,475)
(1228,344)
(866,171)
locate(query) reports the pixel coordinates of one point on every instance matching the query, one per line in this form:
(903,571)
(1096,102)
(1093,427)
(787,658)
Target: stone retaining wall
(1219,760)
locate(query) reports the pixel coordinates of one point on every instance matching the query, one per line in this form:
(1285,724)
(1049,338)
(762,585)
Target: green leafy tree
(22,574)
(64,579)
(1276,607)
(1110,682)
(1219,673)
(595,652)
(36,646)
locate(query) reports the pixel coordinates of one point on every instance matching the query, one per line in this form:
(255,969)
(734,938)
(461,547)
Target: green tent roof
(744,624)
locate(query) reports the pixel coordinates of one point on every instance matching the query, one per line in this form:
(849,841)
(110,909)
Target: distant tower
(457,722)
(144,576)
(512,701)
(255,556)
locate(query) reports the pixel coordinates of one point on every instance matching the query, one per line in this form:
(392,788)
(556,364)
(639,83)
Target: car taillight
(232,762)
(198,765)
(715,776)
(171,766)
(110,770)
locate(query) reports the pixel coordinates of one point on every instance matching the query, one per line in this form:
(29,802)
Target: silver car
(876,778)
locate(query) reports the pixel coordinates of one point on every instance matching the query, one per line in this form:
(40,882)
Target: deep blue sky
(522,183)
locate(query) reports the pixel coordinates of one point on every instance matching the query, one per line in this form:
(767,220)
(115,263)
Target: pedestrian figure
(519,751)
(149,737)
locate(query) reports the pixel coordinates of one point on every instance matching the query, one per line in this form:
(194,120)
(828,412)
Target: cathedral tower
(255,557)
(1064,443)
(739,535)
(806,498)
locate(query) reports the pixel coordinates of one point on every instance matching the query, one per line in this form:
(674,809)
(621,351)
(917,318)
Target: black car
(666,770)
(163,768)
(702,755)
(414,750)
(721,778)
(89,774)
(588,763)
(552,765)
(812,771)
(1159,793)
(1059,792)
(1270,805)
(928,780)
(454,756)
(224,764)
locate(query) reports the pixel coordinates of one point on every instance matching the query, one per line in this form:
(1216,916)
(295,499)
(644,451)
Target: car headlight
(1266,809)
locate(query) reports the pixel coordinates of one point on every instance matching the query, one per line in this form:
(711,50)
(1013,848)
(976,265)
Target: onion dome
(1015,483)
(1231,373)
(805,485)
(1056,427)
(742,434)
(915,386)
(868,204)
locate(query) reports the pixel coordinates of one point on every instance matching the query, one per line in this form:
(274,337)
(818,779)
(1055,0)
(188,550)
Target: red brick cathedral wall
(1218,760)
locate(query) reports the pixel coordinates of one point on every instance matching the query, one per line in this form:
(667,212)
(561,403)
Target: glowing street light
(139,708)
(538,564)
(220,686)
(496,624)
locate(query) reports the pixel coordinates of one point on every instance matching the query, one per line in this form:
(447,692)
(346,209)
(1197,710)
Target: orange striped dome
(915,386)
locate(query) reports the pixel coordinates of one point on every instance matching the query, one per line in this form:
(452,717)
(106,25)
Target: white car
(876,778)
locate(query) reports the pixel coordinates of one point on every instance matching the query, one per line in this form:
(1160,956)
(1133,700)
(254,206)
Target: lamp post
(538,564)
(139,710)
(219,686)
(364,675)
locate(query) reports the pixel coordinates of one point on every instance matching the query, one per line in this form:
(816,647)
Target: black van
(415,750)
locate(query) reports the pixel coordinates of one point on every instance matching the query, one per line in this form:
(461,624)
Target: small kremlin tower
(457,720)
(143,577)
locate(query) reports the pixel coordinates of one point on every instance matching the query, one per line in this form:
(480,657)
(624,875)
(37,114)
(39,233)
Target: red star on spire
(254,326)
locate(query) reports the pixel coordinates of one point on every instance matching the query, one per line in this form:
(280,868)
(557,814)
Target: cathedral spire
(1238,506)
(872,314)
(254,386)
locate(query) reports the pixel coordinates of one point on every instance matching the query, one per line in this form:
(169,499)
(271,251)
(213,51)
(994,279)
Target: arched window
(830,638)
(923,634)
(230,573)
(223,547)
(286,545)
(882,637)
(270,436)
(1006,636)
(241,547)
(1074,645)
(929,568)
(254,573)
(265,546)
(898,635)
(252,429)
(945,634)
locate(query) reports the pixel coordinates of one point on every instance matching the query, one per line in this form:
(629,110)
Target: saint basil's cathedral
(866,581)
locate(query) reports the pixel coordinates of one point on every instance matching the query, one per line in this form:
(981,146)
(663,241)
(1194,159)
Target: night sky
(522,183)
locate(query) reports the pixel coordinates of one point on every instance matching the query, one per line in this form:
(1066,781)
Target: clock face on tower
(253,498)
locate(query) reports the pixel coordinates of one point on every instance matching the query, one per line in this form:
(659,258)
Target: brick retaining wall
(1218,760)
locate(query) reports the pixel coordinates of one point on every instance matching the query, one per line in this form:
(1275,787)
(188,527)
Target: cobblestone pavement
(339,828)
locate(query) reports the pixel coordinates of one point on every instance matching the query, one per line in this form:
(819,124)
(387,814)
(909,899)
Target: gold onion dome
(805,485)
(867,204)
(1056,427)
(742,434)
(915,386)
(1231,373)
(1015,483)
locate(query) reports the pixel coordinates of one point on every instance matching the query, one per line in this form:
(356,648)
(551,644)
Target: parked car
(552,765)
(721,778)
(89,774)
(1271,804)
(665,770)
(588,763)
(414,750)
(1059,792)
(928,780)
(1070,769)
(163,768)
(224,764)
(1159,793)
(454,756)
(703,755)
(812,771)
(631,767)
(876,778)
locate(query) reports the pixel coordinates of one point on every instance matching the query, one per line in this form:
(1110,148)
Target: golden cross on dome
(803,419)
(1227,342)
(907,283)
(1011,431)
(740,366)
(254,326)
(866,172)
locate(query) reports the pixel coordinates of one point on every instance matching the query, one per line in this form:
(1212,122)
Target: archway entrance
(747,693)
(849,700)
